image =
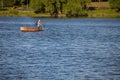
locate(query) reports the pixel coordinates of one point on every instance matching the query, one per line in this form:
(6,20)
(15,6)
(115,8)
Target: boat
(28,29)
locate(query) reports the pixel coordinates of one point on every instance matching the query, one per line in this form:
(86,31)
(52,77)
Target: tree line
(68,7)
(115,4)
(55,7)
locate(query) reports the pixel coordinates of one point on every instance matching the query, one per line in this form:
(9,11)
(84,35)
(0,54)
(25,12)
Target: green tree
(38,5)
(76,7)
(25,2)
(6,3)
(17,2)
(41,9)
(56,7)
(62,2)
(115,4)
(35,4)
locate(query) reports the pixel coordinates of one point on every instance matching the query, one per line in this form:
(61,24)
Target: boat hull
(26,29)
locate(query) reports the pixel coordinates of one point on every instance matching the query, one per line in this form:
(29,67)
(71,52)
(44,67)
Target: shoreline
(91,14)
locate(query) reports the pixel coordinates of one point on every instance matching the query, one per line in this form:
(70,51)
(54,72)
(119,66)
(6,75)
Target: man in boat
(39,24)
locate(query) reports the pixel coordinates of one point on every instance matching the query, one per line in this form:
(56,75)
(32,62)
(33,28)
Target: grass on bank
(104,13)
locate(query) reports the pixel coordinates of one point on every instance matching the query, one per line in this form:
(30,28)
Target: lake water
(67,49)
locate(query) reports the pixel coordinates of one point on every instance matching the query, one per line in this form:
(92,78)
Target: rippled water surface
(67,49)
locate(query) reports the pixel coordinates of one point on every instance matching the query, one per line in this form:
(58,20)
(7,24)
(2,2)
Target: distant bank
(90,14)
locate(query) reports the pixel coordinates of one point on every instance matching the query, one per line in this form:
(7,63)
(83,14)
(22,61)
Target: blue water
(67,49)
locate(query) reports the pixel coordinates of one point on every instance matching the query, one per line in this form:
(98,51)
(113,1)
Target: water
(67,49)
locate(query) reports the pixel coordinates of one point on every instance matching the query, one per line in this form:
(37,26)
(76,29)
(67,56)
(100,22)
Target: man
(39,24)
